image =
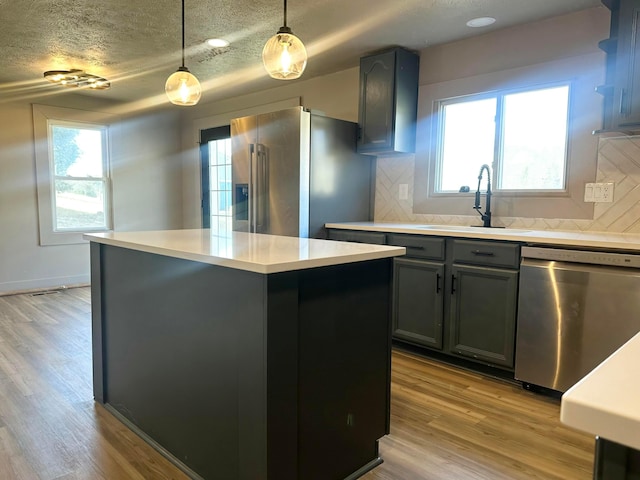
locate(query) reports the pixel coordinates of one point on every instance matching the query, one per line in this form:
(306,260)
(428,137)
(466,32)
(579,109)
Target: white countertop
(618,241)
(607,401)
(246,251)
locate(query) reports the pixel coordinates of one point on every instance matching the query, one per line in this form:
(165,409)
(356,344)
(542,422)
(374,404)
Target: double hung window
(79,180)
(73,172)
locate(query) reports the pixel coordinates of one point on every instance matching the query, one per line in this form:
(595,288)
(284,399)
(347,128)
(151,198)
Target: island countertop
(605,402)
(246,251)
(605,240)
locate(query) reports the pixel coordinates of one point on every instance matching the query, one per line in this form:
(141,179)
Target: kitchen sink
(463,228)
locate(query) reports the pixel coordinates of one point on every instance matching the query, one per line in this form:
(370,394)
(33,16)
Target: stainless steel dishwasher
(575,308)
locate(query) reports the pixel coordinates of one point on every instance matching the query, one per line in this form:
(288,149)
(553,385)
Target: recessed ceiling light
(217,43)
(480,22)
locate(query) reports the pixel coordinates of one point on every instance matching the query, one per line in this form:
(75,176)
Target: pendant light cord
(285,13)
(183,33)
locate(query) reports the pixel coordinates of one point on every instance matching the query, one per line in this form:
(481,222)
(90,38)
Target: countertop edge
(377,252)
(561,238)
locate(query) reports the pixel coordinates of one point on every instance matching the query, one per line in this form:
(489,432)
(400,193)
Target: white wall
(146,192)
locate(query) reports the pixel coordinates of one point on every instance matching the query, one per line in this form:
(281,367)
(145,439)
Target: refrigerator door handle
(252,190)
(262,189)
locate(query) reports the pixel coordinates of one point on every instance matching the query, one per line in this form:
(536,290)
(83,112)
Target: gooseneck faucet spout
(486,216)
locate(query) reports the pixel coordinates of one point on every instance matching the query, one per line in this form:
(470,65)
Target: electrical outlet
(403,191)
(607,193)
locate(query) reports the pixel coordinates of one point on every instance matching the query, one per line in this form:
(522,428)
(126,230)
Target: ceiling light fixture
(182,87)
(481,22)
(77,78)
(217,43)
(284,55)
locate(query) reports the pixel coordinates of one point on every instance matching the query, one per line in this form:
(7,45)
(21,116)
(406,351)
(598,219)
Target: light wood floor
(446,423)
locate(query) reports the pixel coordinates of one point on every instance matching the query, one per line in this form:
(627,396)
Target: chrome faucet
(486,216)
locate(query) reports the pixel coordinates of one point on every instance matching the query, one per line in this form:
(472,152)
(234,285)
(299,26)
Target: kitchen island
(245,356)
(605,404)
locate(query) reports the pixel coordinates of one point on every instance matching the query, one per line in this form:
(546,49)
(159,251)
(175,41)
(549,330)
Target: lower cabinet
(418,301)
(459,299)
(457,296)
(483,314)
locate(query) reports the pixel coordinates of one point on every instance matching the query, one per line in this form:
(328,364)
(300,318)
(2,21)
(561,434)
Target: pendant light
(182,87)
(284,55)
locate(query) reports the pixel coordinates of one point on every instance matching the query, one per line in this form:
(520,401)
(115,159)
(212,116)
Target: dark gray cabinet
(622,85)
(388,102)
(484,293)
(456,296)
(462,301)
(614,461)
(483,313)
(418,301)
(376,238)
(418,290)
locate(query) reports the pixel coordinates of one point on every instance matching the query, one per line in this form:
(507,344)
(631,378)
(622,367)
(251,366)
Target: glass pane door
(216,179)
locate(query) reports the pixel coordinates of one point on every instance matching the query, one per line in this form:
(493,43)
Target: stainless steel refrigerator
(293,171)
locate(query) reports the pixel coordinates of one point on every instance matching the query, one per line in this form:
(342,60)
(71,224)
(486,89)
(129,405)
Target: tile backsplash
(618,162)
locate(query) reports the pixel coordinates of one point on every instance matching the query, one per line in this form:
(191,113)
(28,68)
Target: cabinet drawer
(418,246)
(486,253)
(376,238)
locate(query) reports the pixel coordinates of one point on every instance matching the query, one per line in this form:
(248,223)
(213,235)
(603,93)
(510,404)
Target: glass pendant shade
(183,88)
(284,55)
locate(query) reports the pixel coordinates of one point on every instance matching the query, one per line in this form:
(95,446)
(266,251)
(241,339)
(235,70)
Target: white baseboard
(35,285)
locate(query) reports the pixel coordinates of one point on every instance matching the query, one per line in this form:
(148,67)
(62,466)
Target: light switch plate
(588,192)
(599,192)
(403,191)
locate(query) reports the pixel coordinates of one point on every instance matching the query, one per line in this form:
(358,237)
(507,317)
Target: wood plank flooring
(446,423)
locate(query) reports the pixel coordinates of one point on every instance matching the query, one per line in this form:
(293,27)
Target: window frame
(497,163)
(44,118)
(105,178)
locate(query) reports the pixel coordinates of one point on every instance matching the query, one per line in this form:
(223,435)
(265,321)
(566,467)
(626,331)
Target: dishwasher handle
(601,259)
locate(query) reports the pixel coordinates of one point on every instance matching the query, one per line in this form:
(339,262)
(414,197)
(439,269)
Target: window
(521,134)
(216,178)
(79,181)
(72,169)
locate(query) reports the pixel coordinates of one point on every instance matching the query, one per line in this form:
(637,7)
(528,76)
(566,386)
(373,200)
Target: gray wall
(147,192)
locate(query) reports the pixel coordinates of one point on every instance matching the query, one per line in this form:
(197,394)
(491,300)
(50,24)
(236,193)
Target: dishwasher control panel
(582,256)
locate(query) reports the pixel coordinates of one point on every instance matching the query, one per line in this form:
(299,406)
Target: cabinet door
(483,314)
(417,302)
(626,99)
(377,77)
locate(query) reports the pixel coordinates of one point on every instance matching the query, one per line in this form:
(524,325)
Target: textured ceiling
(136,43)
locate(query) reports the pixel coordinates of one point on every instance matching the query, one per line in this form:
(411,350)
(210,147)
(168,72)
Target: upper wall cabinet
(622,89)
(388,102)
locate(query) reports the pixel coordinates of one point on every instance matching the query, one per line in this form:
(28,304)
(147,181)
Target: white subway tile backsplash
(618,162)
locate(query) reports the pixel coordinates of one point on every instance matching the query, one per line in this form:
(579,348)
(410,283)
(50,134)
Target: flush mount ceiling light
(481,22)
(77,78)
(217,43)
(182,87)
(284,55)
